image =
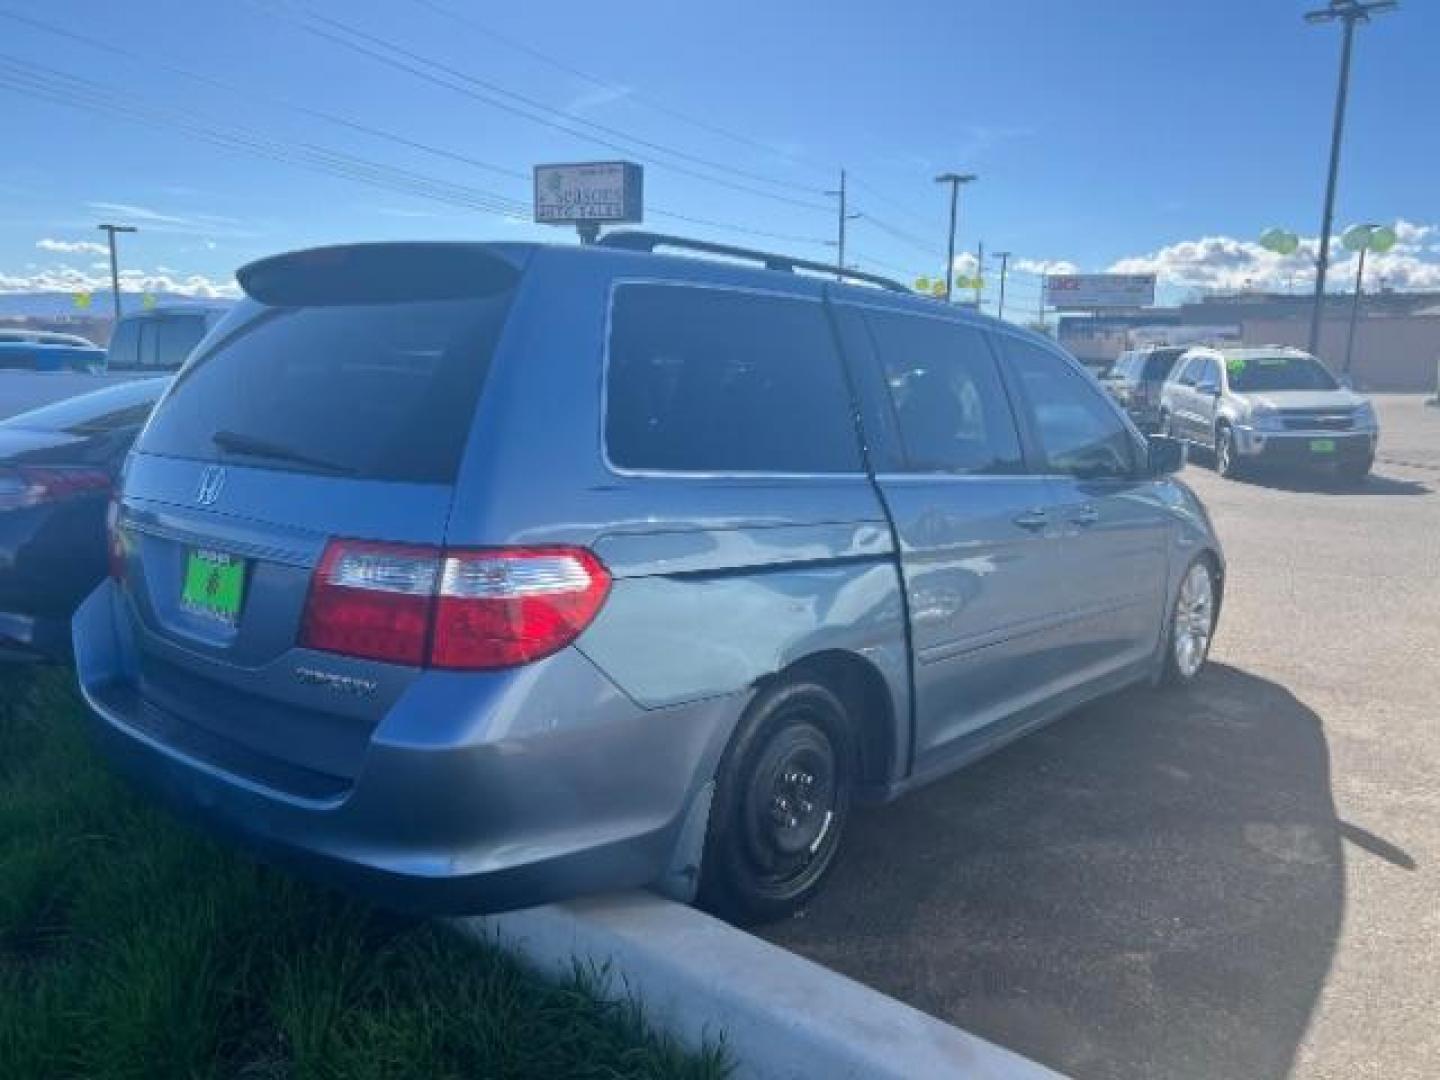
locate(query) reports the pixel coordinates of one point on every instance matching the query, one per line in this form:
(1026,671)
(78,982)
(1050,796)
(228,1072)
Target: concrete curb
(781,1016)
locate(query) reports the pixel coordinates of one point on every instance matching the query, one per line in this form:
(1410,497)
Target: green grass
(131,946)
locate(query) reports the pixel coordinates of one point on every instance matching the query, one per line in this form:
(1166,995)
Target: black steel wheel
(782,801)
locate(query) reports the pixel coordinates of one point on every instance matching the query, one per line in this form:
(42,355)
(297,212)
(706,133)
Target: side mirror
(1209,389)
(1166,455)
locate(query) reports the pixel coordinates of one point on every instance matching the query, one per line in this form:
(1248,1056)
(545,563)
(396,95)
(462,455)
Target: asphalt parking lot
(1240,880)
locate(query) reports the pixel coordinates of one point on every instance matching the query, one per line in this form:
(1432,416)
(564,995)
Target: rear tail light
(32,485)
(464,610)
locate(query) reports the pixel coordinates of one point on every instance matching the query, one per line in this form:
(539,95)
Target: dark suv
(1136,379)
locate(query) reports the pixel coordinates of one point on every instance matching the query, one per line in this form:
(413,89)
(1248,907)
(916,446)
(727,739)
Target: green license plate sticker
(1322,446)
(214,585)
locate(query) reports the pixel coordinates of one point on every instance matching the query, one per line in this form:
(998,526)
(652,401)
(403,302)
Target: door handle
(1086,515)
(1033,519)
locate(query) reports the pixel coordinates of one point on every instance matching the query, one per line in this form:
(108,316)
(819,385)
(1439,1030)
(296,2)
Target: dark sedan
(58,465)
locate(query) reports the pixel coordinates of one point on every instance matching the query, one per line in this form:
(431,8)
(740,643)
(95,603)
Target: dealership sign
(596,191)
(1084,291)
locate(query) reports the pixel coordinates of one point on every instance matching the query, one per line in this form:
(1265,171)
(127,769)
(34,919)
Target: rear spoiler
(382,273)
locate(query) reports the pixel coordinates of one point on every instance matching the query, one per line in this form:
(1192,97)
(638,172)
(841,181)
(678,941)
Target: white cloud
(1226,263)
(157,221)
(71,279)
(1046,266)
(591,101)
(71,247)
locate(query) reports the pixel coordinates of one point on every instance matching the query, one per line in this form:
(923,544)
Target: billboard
(1079,292)
(589,191)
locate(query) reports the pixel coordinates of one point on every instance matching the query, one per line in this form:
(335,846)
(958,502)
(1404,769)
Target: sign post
(589,194)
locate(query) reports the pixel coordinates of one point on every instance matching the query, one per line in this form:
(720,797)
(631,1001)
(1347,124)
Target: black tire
(1175,673)
(1227,463)
(773,837)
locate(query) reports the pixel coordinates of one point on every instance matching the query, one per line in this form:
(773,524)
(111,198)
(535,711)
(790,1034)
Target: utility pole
(1355,310)
(979,272)
(1350,13)
(954,180)
(111,230)
(1004,257)
(844,217)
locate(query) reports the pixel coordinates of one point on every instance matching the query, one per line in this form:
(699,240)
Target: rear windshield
(1159,363)
(1252,373)
(382,391)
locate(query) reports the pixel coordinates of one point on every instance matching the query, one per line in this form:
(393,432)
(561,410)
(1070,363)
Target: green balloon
(1382,239)
(1280,241)
(1356,238)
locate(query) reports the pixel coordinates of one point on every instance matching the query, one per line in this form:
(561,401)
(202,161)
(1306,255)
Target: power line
(905,237)
(37,81)
(381,51)
(895,204)
(380,133)
(605,84)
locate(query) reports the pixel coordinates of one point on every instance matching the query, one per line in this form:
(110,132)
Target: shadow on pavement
(1150,887)
(1326,483)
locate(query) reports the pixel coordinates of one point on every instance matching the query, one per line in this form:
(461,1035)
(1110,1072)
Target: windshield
(381,391)
(1257,373)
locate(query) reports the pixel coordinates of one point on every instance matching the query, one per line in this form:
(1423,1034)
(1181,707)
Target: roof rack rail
(639,240)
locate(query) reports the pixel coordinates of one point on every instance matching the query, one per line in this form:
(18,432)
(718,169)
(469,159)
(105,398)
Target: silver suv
(479,575)
(1269,404)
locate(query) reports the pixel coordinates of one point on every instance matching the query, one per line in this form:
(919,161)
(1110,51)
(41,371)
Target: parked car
(1136,381)
(1271,405)
(480,575)
(43,350)
(160,338)
(57,469)
(144,344)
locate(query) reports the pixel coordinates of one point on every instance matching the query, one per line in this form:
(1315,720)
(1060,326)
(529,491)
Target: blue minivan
(473,576)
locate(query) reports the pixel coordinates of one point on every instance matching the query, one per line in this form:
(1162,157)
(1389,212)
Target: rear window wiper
(238,443)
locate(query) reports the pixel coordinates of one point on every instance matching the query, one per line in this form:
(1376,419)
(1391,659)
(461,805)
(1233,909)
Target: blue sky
(1126,133)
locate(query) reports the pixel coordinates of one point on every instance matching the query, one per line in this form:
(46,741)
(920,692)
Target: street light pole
(111,230)
(1004,257)
(1350,13)
(954,180)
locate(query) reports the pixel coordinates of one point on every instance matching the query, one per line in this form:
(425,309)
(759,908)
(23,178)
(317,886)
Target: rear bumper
(477,793)
(1306,448)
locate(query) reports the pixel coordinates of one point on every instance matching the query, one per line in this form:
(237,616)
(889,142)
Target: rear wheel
(782,800)
(1227,462)
(1192,624)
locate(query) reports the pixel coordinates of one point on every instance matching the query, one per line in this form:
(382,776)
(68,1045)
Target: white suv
(1271,404)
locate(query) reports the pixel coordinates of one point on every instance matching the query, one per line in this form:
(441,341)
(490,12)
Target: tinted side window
(1079,433)
(124,349)
(175,338)
(149,342)
(717,380)
(1186,375)
(950,405)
